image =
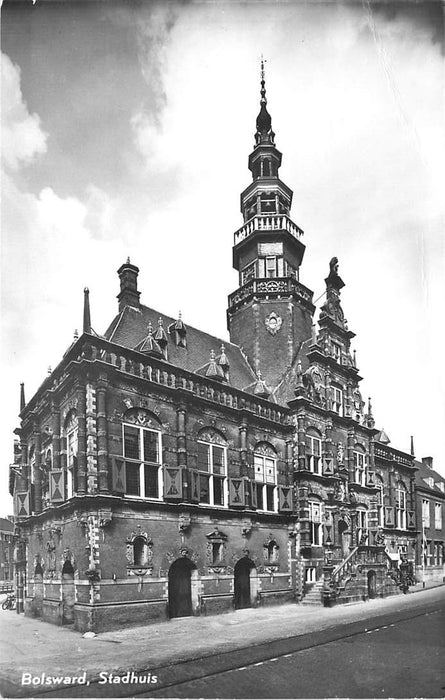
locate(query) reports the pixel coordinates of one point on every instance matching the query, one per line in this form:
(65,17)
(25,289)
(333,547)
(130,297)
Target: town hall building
(164,472)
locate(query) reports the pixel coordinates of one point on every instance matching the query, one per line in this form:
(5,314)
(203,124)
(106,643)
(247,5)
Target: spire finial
(22,396)
(263,81)
(264,133)
(128,260)
(86,311)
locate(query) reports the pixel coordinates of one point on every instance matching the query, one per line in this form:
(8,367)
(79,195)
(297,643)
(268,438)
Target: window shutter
(63,451)
(173,490)
(57,486)
(328,466)
(119,480)
(22,504)
(236,492)
(285,499)
(194,485)
(411,515)
(247,493)
(389,516)
(370,479)
(254,499)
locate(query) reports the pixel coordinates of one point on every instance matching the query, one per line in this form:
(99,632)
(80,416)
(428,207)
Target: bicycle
(9,602)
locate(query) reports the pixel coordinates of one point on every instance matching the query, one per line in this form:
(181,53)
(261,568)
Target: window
(248,273)
(311,574)
(425,512)
(217,552)
(441,486)
(264,462)
(315,522)
(362,525)
(337,400)
(336,352)
(271,266)
(379,498)
(401,506)
(212,470)
(313,453)
(71,426)
(142,453)
(438,516)
(359,466)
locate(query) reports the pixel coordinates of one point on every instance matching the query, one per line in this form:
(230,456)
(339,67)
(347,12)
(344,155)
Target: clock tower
(270,314)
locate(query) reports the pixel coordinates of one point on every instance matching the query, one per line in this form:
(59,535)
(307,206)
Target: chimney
(22,396)
(428,462)
(129,295)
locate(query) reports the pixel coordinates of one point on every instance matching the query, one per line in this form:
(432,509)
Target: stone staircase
(314,595)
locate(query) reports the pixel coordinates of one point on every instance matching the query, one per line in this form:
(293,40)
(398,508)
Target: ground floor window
(311,574)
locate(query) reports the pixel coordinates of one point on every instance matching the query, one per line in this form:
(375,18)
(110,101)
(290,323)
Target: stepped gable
(129,329)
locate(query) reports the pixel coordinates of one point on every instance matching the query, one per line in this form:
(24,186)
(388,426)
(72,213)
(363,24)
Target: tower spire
(86,311)
(264,133)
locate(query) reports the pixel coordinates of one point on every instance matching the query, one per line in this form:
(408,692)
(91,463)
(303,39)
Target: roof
(425,472)
(6,525)
(129,329)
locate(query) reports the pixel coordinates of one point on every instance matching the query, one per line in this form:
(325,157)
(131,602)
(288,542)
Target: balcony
(267,222)
(272,285)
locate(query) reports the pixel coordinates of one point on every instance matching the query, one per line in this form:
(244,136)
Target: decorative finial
(86,311)
(263,81)
(76,334)
(354,358)
(212,355)
(150,328)
(49,370)
(369,407)
(22,396)
(128,260)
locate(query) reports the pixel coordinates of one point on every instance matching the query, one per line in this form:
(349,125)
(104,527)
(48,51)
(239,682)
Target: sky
(126,128)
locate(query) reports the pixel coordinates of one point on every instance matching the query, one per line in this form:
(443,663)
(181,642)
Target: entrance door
(371,584)
(180,588)
(344,537)
(67,593)
(242,583)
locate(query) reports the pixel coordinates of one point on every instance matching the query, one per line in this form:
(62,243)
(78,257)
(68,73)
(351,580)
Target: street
(393,651)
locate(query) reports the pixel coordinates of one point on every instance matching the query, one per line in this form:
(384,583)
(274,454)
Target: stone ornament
(273,323)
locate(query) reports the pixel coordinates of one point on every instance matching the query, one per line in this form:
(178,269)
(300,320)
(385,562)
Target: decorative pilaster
(37,476)
(301,442)
(102,446)
(91,435)
(243,446)
(81,441)
(181,416)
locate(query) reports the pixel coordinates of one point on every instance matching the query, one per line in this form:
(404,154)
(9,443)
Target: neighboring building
(166,472)
(430,492)
(6,553)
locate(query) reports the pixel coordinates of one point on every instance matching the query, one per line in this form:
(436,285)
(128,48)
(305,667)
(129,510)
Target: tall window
(313,452)
(265,466)
(315,522)
(271,266)
(336,352)
(425,512)
(401,506)
(359,465)
(142,453)
(71,434)
(438,516)
(212,467)
(379,498)
(362,524)
(337,400)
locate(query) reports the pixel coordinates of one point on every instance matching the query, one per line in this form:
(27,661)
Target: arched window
(359,465)
(212,467)
(313,451)
(265,467)
(139,554)
(142,453)
(71,441)
(272,552)
(401,506)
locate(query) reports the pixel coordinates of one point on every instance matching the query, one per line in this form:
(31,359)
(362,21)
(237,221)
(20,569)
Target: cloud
(22,135)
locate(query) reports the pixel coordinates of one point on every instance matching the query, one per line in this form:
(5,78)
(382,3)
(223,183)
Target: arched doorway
(344,537)
(372,589)
(68,596)
(180,588)
(242,587)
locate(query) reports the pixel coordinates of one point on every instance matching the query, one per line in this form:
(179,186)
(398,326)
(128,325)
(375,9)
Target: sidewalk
(30,646)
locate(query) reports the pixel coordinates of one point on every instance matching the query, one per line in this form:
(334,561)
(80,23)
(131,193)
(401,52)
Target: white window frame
(425,512)
(143,462)
(313,458)
(401,507)
(211,473)
(72,449)
(315,520)
(380,509)
(337,400)
(265,473)
(359,458)
(438,516)
(362,523)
